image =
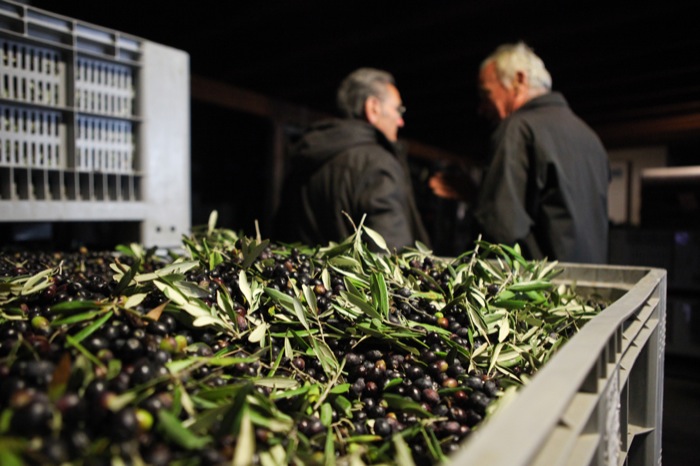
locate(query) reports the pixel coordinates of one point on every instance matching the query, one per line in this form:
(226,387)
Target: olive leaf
(245,442)
(173,429)
(380,294)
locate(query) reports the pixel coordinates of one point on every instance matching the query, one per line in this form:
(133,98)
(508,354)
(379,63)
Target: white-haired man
(546,184)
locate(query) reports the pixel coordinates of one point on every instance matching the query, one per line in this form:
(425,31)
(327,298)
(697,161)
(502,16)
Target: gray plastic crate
(599,400)
(94,125)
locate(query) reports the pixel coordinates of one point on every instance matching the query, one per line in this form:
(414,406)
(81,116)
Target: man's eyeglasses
(401,109)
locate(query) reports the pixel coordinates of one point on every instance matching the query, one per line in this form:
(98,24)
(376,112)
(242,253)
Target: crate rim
(535,422)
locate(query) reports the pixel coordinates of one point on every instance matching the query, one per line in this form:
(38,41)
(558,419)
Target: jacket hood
(326,139)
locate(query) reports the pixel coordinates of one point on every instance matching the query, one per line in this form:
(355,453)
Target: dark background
(261,70)
(629,69)
(616,62)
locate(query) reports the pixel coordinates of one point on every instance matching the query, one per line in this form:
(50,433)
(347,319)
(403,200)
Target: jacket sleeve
(382,195)
(501,209)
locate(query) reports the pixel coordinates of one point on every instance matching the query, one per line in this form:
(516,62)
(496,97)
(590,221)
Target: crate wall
(599,400)
(82,121)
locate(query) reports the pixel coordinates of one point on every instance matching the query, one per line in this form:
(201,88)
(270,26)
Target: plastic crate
(94,125)
(599,400)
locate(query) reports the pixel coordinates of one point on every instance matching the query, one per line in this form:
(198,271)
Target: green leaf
(403,454)
(340,388)
(259,333)
(245,444)
(205,321)
(128,275)
(535,285)
(251,251)
(37,282)
(244,286)
(343,405)
(310,298)
(361,304)
(280,383)
(404,403)
(326,414)
(87,331)
(134,300)
(172,429)
(329,448)
(75,318)
(380,295)
(289,303)
(326,357)
(503,329)
(74,306)
(9,457)
(211,224)
(377,238)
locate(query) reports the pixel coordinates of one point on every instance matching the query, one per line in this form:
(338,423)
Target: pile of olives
(94,368)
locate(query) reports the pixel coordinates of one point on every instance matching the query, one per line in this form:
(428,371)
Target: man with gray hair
(546,184)
(352,167)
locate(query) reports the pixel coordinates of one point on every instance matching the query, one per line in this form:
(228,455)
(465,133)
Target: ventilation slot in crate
(30,74)
(30,138)
(104,88)
(104,145)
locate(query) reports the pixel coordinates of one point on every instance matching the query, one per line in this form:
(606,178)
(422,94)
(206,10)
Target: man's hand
(455,185)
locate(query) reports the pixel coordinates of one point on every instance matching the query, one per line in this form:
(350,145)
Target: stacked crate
(84,115)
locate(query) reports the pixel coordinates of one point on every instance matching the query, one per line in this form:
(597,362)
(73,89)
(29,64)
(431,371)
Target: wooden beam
(651,130)
(224,95)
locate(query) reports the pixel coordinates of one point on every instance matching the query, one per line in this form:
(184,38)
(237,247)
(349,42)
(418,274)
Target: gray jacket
(546,185)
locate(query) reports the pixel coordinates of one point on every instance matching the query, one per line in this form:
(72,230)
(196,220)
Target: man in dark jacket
(546,185)
(352,167)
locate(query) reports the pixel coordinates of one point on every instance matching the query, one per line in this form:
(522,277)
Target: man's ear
(372,109)
(520,81)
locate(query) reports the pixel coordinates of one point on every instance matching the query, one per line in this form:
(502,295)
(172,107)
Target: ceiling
(632,71)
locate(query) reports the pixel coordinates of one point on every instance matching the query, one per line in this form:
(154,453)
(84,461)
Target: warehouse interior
(261,71)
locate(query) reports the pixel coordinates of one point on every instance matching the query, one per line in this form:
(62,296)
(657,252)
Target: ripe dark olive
(423,383)
(382,427)
(450,427)
(9,386)
(32,419)
(474,382)
(55,450)
(299,363)
(490,388)
(478,401)
(414,372)
(311,426)
(371,389)
(431,396)
(473,418)
(440,410)
(449,383)
(36,373)
(158,328)
(124,424)
(360,428)
(78,442)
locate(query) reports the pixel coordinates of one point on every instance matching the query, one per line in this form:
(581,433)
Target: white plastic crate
(105,88)
(31,73)
(104,145)
(94,125)
(30,138)
(599,400)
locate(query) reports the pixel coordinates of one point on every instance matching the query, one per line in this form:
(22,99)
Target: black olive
(382,427)
(32,419)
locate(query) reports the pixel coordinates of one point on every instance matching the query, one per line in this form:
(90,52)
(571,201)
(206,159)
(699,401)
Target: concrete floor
(680,436)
